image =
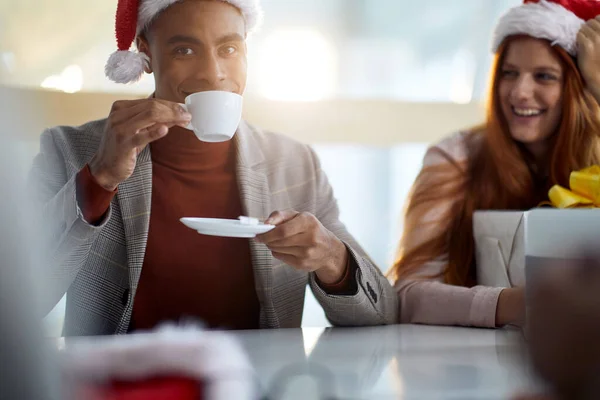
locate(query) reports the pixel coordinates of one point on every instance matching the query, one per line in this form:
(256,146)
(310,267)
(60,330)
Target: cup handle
(189,126)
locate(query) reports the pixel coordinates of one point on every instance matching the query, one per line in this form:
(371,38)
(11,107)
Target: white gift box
(507,241)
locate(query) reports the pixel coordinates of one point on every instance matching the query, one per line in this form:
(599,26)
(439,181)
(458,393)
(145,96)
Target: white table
(392,362)
(386,362)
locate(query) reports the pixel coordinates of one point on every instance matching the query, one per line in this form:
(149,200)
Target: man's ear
(143,47)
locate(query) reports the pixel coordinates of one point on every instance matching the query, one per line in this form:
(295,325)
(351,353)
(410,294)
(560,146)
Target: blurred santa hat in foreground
(170,363)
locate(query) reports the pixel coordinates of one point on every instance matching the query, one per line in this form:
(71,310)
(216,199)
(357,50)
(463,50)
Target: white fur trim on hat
(214,357)
(126,66)
(543,20)
(250,9)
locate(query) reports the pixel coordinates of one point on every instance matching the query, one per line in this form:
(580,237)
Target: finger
(286,259)
(301,239)
(586,31)
(149,136)
(594,24)
(283,232)
(155,127)
(124,109)
(123,104)
(279,217)
(157,114)
(584,43)
(296,251)
(151,111)
(150,128)
(143,126)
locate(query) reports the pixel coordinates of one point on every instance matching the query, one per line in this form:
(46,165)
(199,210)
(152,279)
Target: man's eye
(184,51)
(228,50)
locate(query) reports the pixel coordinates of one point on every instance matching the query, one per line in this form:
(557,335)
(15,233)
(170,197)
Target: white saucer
(225,227)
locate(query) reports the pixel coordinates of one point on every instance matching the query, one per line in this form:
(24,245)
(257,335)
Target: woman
(543,122)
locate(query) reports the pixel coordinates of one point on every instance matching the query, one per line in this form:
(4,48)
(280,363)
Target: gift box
(499,248)
(171,363)
(508,243)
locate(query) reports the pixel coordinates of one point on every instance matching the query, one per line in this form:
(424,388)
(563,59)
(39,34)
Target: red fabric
(93,199)
(162,388)
(584,9)
(126,23)
(186,275)
(346,285)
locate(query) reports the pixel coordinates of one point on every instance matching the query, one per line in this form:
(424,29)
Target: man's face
(195,46)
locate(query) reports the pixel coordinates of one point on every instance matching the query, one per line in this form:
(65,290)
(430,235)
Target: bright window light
(297,65)
(463,77)
(69,81)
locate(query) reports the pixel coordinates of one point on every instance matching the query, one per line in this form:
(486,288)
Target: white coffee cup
(216,114)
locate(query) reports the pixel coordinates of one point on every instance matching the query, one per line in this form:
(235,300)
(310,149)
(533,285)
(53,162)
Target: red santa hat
(558,21)
(169,363)
(133,16)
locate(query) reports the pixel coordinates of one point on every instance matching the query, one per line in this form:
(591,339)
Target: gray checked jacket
(99,266)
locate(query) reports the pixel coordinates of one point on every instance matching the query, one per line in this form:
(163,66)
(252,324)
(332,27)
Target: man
(113,192)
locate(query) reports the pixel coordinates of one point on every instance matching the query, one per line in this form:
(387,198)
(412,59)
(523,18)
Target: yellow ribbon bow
(584,193)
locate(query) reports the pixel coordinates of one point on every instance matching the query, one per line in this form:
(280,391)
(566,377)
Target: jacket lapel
(134,197)
(255,196)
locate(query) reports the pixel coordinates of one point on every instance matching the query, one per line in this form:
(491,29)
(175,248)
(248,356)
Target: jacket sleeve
(66,237)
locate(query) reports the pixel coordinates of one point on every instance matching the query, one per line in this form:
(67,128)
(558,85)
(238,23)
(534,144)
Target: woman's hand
(588,55)
(511,307)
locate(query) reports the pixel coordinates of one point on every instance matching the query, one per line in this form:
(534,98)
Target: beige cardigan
(431,301)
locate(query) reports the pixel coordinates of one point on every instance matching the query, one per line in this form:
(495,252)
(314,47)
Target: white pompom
(125,66)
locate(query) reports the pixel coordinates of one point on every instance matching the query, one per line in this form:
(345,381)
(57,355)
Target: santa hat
(558,21)
(133,16)
(168,363)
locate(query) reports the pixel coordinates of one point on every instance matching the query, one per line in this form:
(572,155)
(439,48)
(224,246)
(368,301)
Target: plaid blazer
(99,266)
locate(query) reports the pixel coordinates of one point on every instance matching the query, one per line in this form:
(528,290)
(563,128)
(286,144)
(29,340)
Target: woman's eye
(507,73)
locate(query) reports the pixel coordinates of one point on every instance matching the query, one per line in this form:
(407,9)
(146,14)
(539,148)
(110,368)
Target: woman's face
(530,92)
